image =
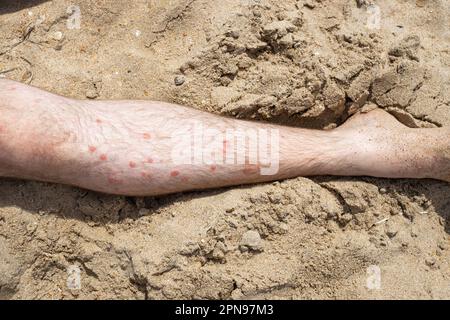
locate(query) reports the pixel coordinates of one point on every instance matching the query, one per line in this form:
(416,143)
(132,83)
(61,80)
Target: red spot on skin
(145,174)
(149,160)
(174,173)
(92,149)
(98,121)
(114,180)
(213,168)
(146,136)
(12,88)
(103,157)
(184,179)
(132,164)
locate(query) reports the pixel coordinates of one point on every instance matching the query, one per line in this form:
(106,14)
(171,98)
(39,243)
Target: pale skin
(126,147)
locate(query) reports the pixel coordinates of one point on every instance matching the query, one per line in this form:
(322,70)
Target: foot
(387,148)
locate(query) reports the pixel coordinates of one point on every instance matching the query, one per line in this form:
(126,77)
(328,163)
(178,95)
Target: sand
(301,63)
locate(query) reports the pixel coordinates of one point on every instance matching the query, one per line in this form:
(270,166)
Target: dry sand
(308,63)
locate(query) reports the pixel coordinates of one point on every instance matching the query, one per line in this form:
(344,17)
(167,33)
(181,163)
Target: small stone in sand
(391,230)
(251,240)
(179,80)
(91,93)
(430,261)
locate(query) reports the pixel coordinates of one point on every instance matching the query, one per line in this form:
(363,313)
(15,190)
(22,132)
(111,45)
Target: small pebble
(179,80)
(257,13)
(361,3)
(91,94)
(229,209)
(143,212)
(58,35)
(251,240)
(309,4)
(430,261)
(391,230)
(233,33)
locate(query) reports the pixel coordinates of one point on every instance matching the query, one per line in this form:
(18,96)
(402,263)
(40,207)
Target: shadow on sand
(74,203)
(9,6)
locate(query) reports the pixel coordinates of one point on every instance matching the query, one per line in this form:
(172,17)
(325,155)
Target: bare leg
(132,147)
